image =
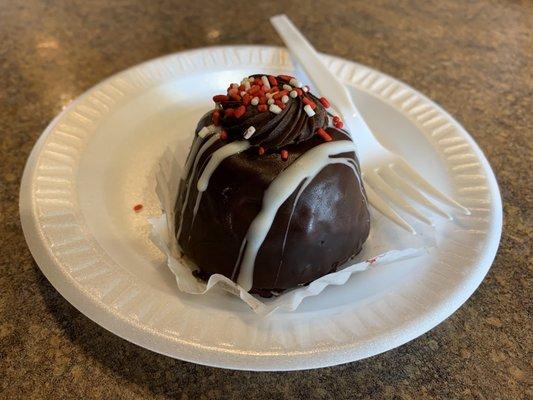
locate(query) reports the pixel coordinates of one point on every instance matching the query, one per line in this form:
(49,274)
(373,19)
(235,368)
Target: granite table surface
(472,57)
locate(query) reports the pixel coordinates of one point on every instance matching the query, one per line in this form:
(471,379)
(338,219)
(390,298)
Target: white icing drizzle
(304,169)
(217,157)
(194,159)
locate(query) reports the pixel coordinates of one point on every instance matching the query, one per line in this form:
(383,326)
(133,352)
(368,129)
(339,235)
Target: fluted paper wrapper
(387,243)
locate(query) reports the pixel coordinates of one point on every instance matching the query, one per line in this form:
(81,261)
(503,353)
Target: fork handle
(327,84)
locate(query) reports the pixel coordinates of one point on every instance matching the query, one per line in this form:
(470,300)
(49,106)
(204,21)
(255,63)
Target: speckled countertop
(474,58)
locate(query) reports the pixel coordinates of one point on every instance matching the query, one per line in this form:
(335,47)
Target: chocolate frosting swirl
(274,131)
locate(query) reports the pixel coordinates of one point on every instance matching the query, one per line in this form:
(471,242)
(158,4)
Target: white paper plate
(95,162)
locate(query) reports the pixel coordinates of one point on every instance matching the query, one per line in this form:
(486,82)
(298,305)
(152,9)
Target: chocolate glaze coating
(328,225)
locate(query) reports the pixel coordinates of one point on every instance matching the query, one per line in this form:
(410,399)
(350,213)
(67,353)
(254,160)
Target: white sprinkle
(234,85)
(266,83)
(287,87)
(243,93)
(275,109)
(308,110)
(270,101)
(203,132)
(305,88)
(249,132)
(295,82)
(246,85)
(293,94)
(255,101)
(285,99)
(269,95)
(251,79)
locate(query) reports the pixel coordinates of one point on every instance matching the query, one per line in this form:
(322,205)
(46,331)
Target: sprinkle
(229,112)
(325,102)
(284,155)
(242,93)
(338,124)
(263,100)
(249,132)
(262,107)
(273,90)
(240,111)
(293,94)
(255,101)
(287,87)
(305,88)
(204,132)
(310,102)
(286,77)
(265,81)
(324,135)
(138,208)
(246,99)
(280,94)
(254,90)
(280,104)
(276,109)
(299,91)
(285,99)
(308,110)
(270,101)
(234,85)
(273,81)
(247,85)
(241,87)
(336,118)
(215,117)
(269,95)
(220,97)
(295,82)
(223,135)
(261,150)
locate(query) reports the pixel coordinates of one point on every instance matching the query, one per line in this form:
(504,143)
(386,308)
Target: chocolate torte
(271,194)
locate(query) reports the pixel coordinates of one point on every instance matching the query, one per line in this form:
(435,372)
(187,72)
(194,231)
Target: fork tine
(390,176)
(379,204)
(395,197)
(428,187)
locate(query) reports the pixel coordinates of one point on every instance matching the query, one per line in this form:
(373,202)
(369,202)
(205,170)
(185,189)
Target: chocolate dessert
(271,194)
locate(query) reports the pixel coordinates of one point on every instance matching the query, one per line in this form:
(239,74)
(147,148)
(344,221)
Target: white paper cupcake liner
(386,243)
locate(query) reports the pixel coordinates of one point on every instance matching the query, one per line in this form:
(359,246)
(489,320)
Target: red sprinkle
(261,150)
(299,91)
(280,104)
(246,99)
(241,88)
(338,124)
(262,100)
(138,208)
(223,134)
(336,118)
(240,111)
(262,107)
(255,89)
(233,91)
(220,97)
(286,77)
(325,102)
(258,81)
(280,94)
(273,81)
(216,118)
(229,112)
(275,89)
(307,100)
(284,155)
(324,135)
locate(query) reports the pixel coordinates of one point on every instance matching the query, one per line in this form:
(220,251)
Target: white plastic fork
(388,177)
